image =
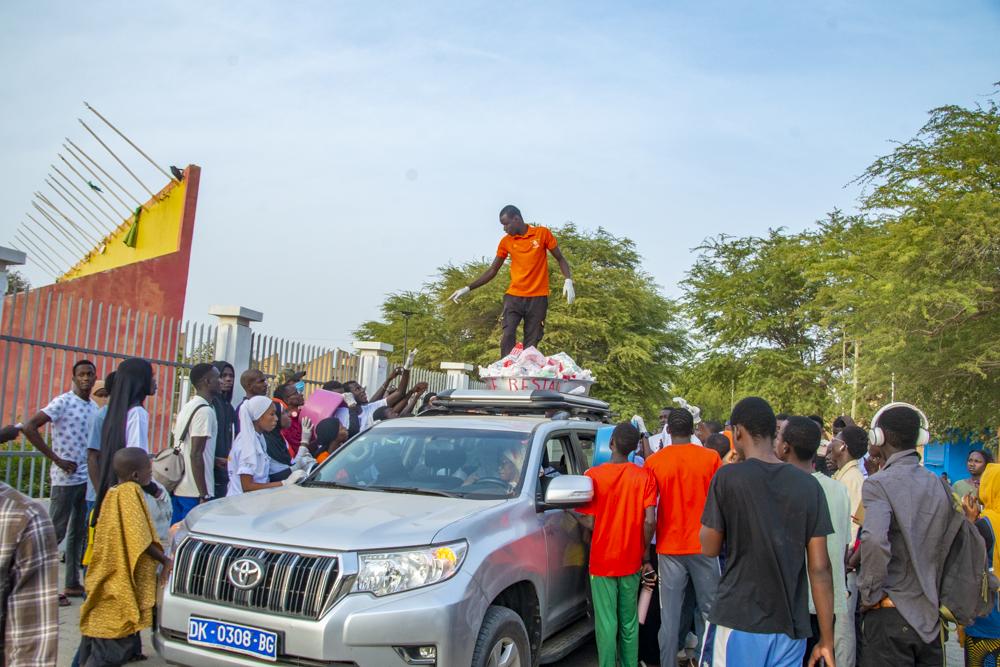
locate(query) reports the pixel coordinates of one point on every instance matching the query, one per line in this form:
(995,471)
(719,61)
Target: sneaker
(691,641)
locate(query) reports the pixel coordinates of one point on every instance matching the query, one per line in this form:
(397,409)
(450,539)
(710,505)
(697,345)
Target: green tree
(751,302)
(620,326)
(915,278)
(17,282)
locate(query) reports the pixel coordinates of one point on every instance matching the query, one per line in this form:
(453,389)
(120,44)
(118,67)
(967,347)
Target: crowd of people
(760,542)
(768,545)
(114,516)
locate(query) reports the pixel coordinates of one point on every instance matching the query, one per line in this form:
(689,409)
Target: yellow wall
(159,234)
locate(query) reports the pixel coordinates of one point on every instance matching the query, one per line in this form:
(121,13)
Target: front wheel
(502,641)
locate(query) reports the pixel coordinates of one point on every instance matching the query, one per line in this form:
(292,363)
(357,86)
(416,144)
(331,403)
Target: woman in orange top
(330,435)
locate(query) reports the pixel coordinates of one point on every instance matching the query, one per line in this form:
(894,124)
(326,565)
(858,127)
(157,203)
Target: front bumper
(360,629)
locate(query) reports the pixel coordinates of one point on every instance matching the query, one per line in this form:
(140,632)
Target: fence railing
(270,354)
(41,339)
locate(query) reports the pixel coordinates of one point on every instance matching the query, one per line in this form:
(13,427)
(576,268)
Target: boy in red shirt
(622,517)
(683,472)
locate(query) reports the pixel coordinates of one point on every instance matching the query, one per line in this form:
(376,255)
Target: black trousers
(68,509)
(532,310)
(889,640)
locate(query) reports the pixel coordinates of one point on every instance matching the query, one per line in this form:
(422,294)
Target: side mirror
(567,491)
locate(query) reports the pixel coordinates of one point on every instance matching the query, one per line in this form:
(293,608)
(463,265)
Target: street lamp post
(406,327)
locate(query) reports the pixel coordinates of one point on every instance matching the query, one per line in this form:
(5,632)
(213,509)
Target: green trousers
(616,616)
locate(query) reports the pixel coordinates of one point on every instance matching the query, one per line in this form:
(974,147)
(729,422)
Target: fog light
(417,655)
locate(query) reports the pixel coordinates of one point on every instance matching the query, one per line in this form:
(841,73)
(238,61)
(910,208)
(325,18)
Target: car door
(567,586)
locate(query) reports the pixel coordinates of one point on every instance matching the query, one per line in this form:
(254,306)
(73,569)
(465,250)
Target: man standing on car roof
(527,298)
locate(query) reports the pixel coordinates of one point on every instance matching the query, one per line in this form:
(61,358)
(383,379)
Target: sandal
(64,601)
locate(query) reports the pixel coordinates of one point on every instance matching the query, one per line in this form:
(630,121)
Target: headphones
(877,438)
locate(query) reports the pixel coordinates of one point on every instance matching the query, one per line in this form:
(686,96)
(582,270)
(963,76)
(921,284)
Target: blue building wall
(950,457)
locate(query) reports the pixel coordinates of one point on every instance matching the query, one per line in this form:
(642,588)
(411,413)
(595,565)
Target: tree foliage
(16,282)
(757,331)
(620,326)
(914,278)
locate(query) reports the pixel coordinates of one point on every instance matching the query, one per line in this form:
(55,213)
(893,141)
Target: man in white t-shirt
(69,414)
(366,408)
(196,430)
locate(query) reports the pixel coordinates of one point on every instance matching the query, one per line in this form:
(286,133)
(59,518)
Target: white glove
(568,291)
(349,399)
(293,478)
(457,296)
(639,423)
(303,459)
(409,360)
(307,431)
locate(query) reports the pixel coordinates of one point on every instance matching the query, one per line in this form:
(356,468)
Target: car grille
(293,585)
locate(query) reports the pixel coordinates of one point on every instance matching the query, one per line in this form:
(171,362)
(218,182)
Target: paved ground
(585,656)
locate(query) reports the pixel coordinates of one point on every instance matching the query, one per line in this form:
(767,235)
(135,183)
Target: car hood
(336,519)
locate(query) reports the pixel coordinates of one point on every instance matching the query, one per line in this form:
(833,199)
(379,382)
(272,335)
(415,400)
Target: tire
(502,641)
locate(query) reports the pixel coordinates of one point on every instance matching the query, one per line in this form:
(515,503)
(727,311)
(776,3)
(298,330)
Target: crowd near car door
(566,553)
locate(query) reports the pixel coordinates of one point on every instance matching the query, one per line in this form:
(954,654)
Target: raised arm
(413,396)
(380,394)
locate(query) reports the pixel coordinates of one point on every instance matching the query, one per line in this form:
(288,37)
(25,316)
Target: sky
(349,149)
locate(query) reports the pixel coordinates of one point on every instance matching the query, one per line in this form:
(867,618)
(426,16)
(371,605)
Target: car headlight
(177,533)
(387,572)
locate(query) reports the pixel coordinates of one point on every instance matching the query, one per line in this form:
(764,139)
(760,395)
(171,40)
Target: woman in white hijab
(249,464)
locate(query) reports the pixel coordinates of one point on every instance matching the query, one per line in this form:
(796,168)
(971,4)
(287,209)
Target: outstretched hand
(459,293)
(568,291)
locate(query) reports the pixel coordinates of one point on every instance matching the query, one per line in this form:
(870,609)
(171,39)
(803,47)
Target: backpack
(168,465)
(968,587)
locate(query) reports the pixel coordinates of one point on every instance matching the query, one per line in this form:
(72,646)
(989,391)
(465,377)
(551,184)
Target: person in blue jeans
(982,638)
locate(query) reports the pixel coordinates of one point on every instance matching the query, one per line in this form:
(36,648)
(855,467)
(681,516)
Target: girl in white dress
(249,465)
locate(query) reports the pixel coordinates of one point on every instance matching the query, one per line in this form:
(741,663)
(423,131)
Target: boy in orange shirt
(683,472)
(621,516)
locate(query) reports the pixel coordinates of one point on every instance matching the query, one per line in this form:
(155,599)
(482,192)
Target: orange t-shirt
(529,263)
(683,474)
(622,492)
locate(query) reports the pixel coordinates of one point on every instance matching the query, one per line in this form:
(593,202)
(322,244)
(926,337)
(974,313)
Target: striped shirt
(29,570)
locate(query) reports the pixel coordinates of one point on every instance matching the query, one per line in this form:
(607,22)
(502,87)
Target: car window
(473,463)
(586,440)
(558,458)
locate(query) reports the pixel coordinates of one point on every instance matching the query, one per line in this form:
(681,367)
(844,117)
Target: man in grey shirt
(906,516)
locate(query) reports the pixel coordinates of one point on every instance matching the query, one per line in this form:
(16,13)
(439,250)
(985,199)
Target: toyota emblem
(246,573)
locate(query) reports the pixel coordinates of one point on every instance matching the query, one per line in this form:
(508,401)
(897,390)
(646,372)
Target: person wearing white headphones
(906,517)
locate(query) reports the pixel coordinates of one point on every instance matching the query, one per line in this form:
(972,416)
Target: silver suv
(442,539)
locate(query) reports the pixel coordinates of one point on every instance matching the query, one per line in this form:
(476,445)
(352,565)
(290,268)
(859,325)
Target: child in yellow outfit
(121,579)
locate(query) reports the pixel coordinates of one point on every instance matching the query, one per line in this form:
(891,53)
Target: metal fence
(42,339)
(269,355)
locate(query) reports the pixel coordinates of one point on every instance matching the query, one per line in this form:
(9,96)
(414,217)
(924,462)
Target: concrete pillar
(8,257)
(233,340)
(374,364)
(458,374)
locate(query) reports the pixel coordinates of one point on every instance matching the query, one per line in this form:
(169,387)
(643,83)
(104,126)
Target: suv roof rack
(535,402)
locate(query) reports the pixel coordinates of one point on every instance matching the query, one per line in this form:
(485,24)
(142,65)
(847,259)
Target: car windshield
(446,461)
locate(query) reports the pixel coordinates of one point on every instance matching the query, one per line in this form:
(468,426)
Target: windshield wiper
(425,492)
(337,485)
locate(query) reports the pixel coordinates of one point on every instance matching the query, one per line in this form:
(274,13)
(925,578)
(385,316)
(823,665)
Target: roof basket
(537,402)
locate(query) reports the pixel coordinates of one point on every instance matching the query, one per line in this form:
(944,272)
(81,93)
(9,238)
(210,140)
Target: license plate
(232,637)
